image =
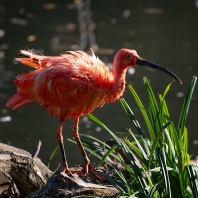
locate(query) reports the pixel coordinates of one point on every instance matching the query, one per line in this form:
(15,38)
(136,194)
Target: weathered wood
(27,174)
(7,186)
(64,186)
(23,176)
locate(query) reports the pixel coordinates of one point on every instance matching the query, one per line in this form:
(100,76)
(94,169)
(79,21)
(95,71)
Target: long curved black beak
(144,62)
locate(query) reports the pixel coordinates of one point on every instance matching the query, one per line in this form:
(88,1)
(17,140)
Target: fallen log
(24,175)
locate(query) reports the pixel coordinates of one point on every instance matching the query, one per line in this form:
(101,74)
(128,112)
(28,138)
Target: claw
(85,171)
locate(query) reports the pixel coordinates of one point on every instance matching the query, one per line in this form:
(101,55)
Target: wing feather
(70,85)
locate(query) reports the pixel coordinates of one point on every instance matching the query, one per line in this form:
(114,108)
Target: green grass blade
(97,147)
(175,182)
(167,89)
(171,162)
(169,132)
(177,147)
(107,154)
(95,139)
(92,148)
(153,191)
(143,156)
(153,107)
(89,147)
(193,179)
(122,178)
(91,117)
(143,111)
(163,110)
(156,141)
(52,155)
(136,169)
(171,150)
(131,116)
(186,105)
(135,122)
(120,186)
(134,148)
(162,160)
(185,147)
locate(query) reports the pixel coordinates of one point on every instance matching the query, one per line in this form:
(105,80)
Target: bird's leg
(60,139)
(79,143)
(86,163)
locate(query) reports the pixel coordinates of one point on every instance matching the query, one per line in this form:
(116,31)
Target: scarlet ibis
(74,84)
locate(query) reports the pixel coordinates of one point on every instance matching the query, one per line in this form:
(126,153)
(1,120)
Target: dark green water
(163,32)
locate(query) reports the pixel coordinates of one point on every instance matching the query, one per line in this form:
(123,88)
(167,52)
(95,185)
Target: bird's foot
(79,170)
(98,175)
(72,171)
(66,171)
(86,166)
(89,168)
(84,172)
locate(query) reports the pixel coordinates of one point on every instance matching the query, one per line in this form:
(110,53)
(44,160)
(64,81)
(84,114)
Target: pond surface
(163,32)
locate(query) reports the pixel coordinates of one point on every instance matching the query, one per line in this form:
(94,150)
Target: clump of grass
(158,166)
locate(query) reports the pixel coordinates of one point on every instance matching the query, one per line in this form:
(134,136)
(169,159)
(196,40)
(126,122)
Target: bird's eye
(128,56)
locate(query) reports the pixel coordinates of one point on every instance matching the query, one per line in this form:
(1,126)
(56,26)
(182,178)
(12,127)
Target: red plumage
(74,84)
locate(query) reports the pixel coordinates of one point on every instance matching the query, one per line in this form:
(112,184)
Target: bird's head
(126,58)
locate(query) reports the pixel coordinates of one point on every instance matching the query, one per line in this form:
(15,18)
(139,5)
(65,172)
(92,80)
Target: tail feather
(29,62)
(17,101)
(32,60)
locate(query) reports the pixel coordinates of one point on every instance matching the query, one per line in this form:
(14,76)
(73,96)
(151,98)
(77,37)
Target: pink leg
(60,139)
(79,143)
(86,163)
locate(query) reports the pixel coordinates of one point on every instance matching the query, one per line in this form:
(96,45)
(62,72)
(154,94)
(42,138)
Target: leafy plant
(158,166)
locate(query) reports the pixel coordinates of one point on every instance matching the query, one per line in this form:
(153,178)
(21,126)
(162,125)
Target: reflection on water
(164,32)
(5,118)
(86,27)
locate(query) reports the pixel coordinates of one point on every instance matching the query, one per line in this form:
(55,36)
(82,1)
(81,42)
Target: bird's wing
(37,61)
(77,61)
(55,86)
(40,62)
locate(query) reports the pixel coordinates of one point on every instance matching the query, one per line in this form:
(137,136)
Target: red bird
(74,84)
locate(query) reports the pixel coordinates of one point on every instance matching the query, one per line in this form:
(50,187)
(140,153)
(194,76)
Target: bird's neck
(118,85)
